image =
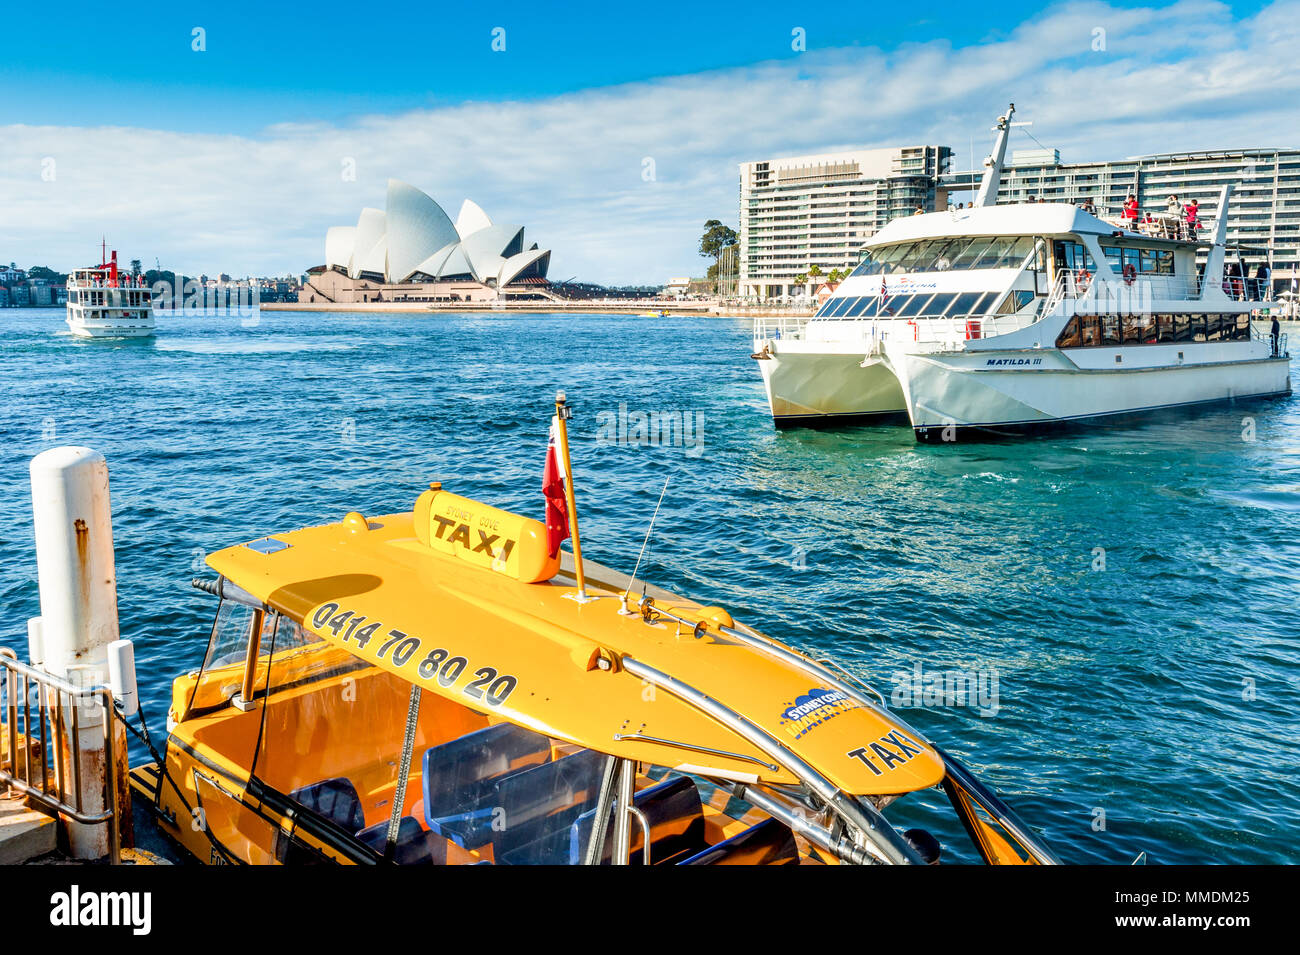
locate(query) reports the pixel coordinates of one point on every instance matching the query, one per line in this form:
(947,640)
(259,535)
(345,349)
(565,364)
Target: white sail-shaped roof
(416,225)
(375,261)
(471,219)
(413,236)
(534,261)
(371,228)
(340,241)
(487,249)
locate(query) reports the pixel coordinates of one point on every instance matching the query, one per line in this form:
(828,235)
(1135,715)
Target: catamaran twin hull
(951,394)
(1018,316)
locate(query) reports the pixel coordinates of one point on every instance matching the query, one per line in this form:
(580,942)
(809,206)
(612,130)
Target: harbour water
(1114,611)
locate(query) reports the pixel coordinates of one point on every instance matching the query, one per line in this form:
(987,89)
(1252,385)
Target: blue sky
(228,158)
(332,61)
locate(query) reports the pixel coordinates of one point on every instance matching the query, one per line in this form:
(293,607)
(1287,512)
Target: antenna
(644,544)
(988,191)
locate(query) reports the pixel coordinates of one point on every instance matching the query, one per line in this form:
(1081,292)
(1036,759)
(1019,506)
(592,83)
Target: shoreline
(701,309)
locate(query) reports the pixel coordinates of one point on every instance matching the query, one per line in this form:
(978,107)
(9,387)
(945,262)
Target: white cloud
(570,167)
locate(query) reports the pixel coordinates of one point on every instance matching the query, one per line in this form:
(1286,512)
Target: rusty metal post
(72,519)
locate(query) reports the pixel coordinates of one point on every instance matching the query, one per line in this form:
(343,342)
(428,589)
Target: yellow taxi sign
(485,536)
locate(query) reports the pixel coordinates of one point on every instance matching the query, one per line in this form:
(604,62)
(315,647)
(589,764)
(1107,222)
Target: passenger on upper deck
(1193,223)
(1089,206)
(1261,285)
(1130,213)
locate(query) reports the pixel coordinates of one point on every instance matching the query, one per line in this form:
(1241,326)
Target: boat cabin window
(919,305)
(1073,256)
(1143,261)
(943,255)
(222,673)
(476,791)
(1085,331)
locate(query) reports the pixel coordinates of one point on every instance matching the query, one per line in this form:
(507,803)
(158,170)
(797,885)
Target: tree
(135,267)
(716,238)
(815,272)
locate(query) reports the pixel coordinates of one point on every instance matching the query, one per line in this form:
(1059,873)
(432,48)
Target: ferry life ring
(1082,279)
(1130,273)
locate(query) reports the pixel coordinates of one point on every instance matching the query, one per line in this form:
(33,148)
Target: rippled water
(1163,689)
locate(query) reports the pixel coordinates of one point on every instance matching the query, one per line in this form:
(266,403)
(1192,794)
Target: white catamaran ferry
(103,303)
(1012,317)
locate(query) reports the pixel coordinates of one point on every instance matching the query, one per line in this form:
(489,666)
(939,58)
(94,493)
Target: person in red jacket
(1130,215)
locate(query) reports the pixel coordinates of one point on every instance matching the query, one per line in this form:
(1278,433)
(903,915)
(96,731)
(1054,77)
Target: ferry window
(971,253)
(1069,337)
(1198,328)
(1090,330)
(1156,261)
(1014,301)
(1110,330)
(1182,328)
(906,305)
(964,304)
(1242,329)
(993,253)
(1164,328)
(942,255)
(1014,252)
(958,254)
(1139,329)
(906,261)
(1113,257)
(940,304)
(841,305)
(855,307)
(867,308)
(1072,255)
(1217,327)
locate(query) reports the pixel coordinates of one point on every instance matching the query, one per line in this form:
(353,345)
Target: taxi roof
(535,656)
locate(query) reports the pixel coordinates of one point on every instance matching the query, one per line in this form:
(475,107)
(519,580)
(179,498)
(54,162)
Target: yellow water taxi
(446,686)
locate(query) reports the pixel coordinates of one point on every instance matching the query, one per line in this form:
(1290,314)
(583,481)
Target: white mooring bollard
(71,515)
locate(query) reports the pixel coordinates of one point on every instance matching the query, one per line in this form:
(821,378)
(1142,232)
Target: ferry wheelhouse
(1013,317)
(106,303)
(438,686)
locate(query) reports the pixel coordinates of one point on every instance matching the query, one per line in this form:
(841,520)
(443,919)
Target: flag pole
(562,414)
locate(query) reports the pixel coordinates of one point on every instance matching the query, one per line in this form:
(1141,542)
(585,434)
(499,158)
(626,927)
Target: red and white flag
(557,505)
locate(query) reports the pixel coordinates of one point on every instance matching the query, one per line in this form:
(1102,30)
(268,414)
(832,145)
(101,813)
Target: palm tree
(815,273)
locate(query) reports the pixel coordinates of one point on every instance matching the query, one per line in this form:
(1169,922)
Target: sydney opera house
(411,251)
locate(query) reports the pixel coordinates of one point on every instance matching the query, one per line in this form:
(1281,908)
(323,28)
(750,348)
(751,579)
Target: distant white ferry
(1013,317)
(103,303)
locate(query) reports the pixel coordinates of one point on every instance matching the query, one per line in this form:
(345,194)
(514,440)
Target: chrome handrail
(53,712)
(884,843)
(642,738)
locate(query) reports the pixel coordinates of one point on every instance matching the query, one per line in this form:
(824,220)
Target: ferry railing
(1082,285)
(1161,225)
(38,706)
(778,327)
(964,328)
(1266,338)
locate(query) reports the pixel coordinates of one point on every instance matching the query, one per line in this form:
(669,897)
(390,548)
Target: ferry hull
(111,329)
(973,394)
(820,388)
